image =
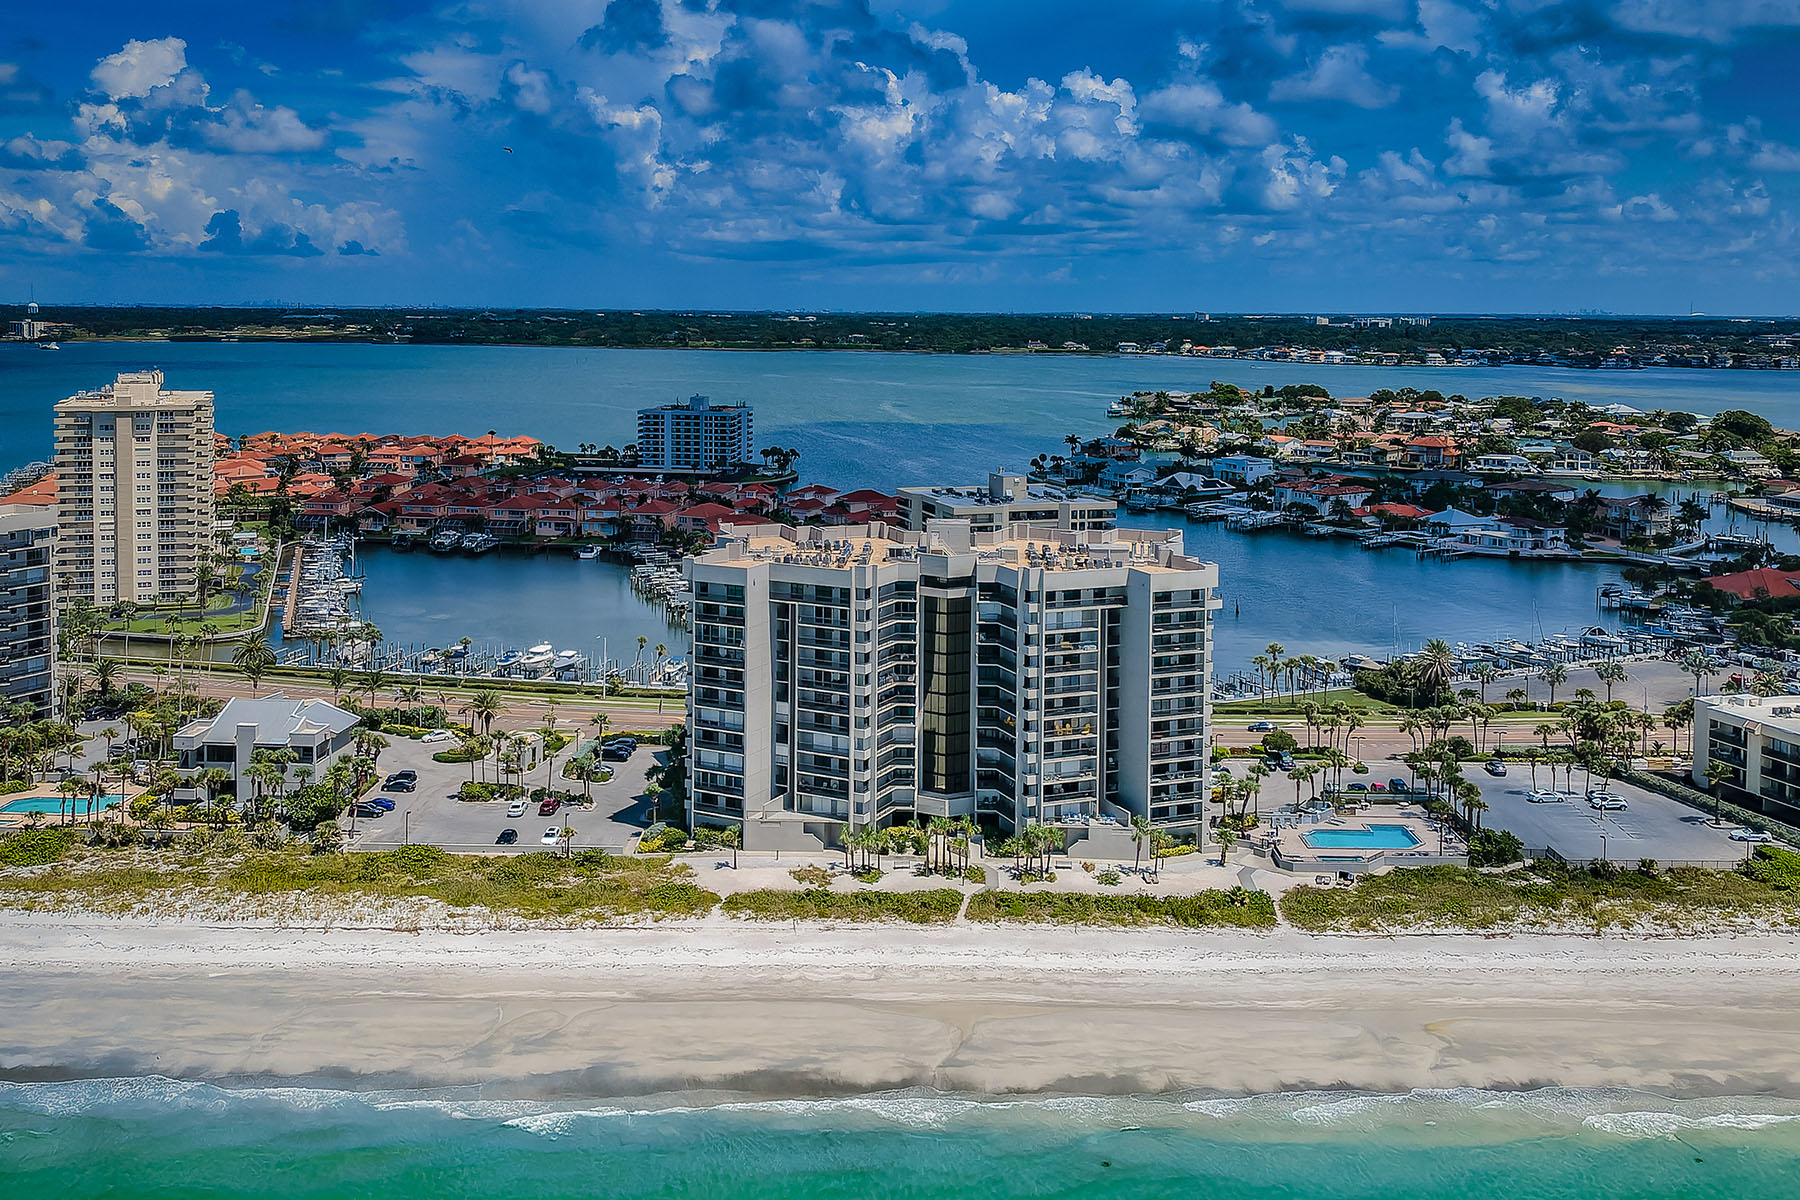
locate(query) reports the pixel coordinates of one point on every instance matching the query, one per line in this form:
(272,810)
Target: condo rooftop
(1031,546)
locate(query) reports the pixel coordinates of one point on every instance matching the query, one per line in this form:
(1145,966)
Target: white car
(436,736)
(552,835)
(516,809)
(1545,796)
(1606,802)
(1751,835)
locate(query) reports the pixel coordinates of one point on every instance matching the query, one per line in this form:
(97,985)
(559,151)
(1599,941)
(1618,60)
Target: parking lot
(432,815)
(1653,827)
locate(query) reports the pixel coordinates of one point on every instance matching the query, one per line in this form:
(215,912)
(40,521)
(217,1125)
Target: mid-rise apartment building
(1757,740)
(27,608)
(134,470)
(870,675)
(696,436)
(1007,499)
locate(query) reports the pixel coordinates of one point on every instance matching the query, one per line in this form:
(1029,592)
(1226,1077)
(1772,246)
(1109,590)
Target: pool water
(1365,837)
(80,806)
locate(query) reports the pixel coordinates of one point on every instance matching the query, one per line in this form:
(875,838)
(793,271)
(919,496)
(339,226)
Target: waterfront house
(1455,520)
(1432,451)
(1502,464)
(1548,489)
(316,731)
(1759,584)
(1242,469)
(1323,495)
(1626,517)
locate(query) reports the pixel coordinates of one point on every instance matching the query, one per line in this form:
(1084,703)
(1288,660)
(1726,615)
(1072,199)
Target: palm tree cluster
(1307,672)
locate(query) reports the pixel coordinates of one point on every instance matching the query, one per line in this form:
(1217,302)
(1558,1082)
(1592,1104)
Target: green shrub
(35,847)
(9,786)
(811,876)
(1110,878)
(1778,868)
(1495,848)
(936,907)
(1238,907)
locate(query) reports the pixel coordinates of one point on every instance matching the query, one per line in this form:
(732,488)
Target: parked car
(1608,803)
(400,785)
(381,802)
(1261,727)
(616,738)
(1751,835)
(516,809)
(1378,786)
(1398,785)
(552,835)
(1545,796)
(1286,762)
(507,837)
(549,806)
(368,811)
(1494,766)
(409,776)
(436,736)
(618,751)
(1356,787)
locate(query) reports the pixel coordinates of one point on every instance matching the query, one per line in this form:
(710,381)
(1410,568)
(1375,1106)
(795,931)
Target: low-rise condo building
(134,479)
(697,436)
(1756,739)
(317,731)
(1006,500)
(27,607)
(867,675)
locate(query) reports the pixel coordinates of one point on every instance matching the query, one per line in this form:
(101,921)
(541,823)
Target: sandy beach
(714,1005)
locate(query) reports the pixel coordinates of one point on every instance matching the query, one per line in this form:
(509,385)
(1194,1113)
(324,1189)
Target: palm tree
(485,706)
(339,679)
(1697,664)
(106,675)
(1141,832)
(254,659)
(1437,663)
(1609,673)
(1553,675)
(372,681)
(1718,775)
(1484,674)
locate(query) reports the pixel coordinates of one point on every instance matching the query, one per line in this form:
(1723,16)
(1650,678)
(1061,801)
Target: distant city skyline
(1332,156)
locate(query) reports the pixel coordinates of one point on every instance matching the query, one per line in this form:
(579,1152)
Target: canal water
(861,419)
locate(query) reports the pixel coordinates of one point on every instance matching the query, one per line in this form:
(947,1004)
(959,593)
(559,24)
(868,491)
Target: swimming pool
(80,806)
(1365,837)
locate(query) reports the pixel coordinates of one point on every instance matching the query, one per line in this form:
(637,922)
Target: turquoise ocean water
(159,1138)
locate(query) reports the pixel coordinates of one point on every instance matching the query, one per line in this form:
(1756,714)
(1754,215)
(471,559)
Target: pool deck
(1290,851)
(51,799)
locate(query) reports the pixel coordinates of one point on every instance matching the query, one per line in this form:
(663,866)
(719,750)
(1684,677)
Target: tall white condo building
(865,675)
(134,491)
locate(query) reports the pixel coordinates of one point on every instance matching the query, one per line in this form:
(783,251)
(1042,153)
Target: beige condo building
(134,469)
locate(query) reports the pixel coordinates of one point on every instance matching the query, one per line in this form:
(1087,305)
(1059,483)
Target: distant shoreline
(821,1010)
(998,351)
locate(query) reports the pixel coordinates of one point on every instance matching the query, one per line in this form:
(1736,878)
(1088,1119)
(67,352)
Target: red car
(548,807)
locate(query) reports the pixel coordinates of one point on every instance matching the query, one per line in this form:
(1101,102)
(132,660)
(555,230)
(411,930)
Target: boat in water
(479,543)
(587,553)
(445,540)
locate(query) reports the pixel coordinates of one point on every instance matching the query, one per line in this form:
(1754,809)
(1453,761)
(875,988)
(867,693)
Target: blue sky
(1238,155)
